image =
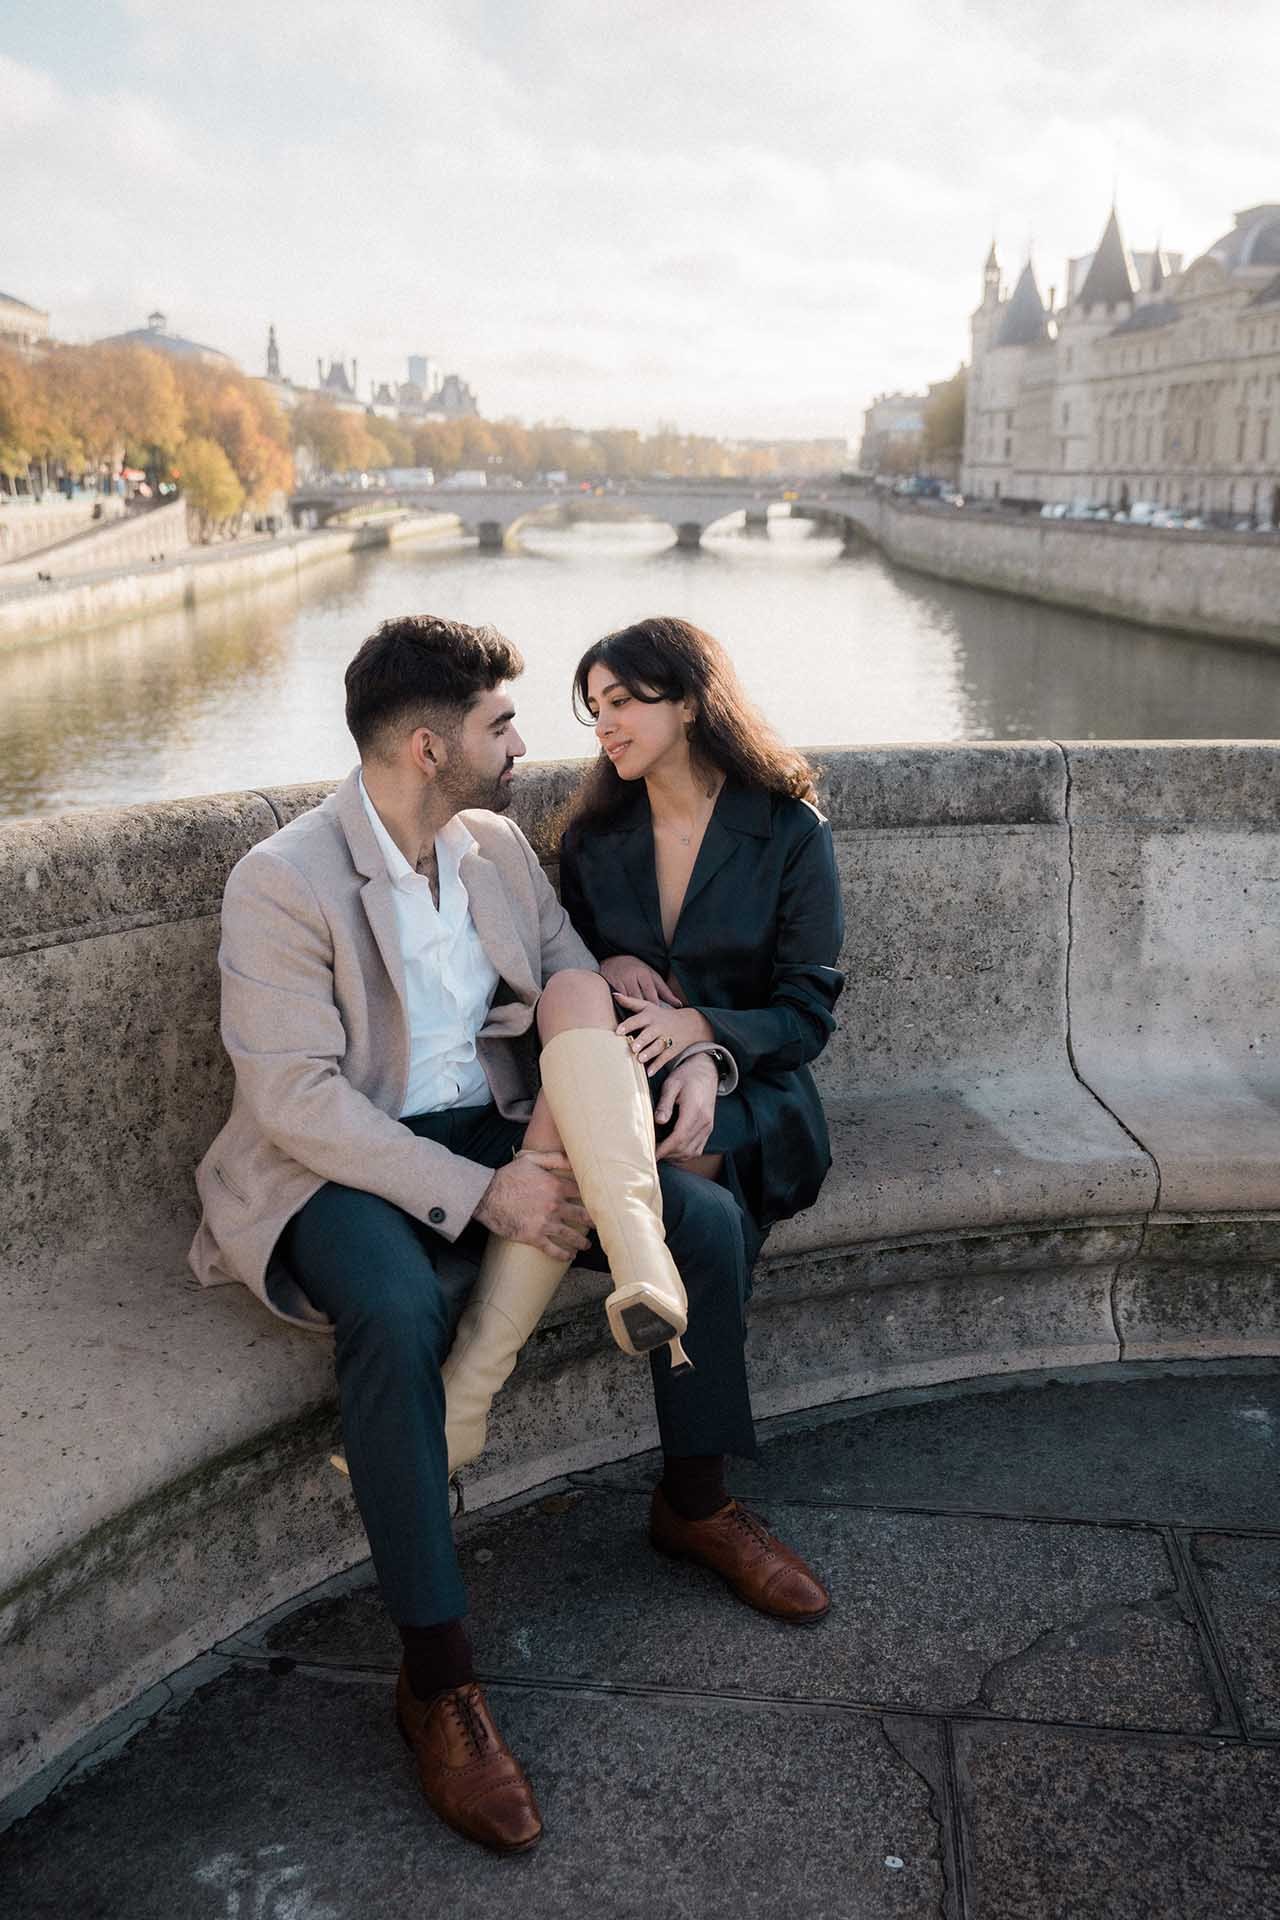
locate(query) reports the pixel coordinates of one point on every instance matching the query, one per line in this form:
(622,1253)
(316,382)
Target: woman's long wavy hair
(668,659)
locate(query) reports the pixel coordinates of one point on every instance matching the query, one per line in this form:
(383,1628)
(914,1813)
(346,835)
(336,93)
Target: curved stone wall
(1218,585)
(1055,1112)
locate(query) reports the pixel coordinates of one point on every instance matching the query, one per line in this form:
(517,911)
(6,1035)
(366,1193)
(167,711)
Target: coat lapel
(740,812)
(375,895)
(636,851)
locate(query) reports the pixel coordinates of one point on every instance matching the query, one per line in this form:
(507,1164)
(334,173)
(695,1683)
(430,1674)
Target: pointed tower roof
(993,265)
(1155,279)
(1109,281)
(1024,323)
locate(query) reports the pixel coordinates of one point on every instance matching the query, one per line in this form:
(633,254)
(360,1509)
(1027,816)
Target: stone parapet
(1055,1112)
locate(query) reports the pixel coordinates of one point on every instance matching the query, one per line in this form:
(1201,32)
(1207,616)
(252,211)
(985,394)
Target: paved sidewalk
(1049,1686)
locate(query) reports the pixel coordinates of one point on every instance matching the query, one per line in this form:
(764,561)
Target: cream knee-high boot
(599,1098)
(511,1294)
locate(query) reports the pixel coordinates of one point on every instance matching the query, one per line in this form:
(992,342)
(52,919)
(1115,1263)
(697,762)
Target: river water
(247,691)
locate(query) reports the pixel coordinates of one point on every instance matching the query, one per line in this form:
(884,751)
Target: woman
(699,872)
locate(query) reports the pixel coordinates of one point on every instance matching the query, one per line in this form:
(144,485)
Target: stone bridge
(496,513)
(1054,1101)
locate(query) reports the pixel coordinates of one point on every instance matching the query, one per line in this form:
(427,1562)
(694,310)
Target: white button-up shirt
(449,978)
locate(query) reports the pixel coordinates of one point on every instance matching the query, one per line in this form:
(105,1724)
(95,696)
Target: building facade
(893,433)
(23,329)
(1151,381)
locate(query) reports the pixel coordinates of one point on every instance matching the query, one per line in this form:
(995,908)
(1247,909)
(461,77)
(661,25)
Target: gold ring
(669,1041)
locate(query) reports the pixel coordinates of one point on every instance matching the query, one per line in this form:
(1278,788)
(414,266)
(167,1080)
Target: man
(384,959)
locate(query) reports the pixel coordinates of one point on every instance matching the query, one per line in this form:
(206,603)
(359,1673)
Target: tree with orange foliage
(248,424)
(115,398)
(337,441)
(17,417)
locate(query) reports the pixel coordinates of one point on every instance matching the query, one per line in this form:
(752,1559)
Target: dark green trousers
(394,1290)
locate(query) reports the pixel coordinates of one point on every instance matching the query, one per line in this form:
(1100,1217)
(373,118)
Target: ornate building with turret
(1150,381)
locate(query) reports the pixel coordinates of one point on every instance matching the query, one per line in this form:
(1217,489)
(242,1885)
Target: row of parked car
(1149,513)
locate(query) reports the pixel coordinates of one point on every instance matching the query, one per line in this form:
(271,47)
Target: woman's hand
(658,1033)
(628,975)
(689,1094)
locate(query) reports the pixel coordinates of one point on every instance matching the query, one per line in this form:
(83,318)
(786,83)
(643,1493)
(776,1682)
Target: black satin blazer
(754,950)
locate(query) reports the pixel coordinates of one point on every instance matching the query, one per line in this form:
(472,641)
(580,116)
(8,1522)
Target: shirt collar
(454,840)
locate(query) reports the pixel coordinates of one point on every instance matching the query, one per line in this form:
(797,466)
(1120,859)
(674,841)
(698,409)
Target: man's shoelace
(471,1722)
(756,1529)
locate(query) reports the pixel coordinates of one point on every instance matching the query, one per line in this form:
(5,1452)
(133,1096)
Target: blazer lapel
(380,910)
(491,915)
(739,812)
(375,895)
(636,853)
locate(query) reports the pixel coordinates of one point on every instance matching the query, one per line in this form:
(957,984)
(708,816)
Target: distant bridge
(495,513)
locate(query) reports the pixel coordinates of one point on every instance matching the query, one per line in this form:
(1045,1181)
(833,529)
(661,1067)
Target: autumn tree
(247,422)
(336,440)
(212,491)
(17,417)
(396,443)
(944,418)
(118,397)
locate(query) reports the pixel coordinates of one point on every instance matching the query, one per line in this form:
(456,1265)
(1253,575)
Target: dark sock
(437,1658)
(693,1484)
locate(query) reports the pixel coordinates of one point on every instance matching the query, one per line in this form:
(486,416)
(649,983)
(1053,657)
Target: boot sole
(645,1328)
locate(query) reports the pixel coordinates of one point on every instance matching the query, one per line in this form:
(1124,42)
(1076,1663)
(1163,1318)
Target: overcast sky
(746,216)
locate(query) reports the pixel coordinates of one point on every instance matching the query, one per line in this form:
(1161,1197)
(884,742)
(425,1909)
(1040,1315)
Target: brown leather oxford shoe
(740,1548)
(467,1772)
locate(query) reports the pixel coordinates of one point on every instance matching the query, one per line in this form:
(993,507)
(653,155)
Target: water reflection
(247,691)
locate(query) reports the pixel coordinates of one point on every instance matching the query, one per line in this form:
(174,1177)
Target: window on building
(1008,449)
(1264,434)
(1066,413)
(1240,441)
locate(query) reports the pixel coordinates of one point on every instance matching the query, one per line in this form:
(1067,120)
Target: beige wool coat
(313,1017)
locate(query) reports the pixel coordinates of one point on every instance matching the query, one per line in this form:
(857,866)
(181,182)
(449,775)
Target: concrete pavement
(1049,1686)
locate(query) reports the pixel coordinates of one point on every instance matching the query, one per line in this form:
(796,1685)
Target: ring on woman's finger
(669,1040)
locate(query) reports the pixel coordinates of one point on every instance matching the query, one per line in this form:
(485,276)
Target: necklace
(699,820)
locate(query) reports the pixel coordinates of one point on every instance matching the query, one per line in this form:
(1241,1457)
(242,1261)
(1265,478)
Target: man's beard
(471,789)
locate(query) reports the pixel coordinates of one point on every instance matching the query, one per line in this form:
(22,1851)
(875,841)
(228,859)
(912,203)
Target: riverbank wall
(37,611)
(1217,585)
(27,525)
(132,540)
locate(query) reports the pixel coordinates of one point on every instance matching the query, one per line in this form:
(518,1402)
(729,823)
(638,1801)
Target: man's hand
(535,1199)
(628,975)
(689,1092)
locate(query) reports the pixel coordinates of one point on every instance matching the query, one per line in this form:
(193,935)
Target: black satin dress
(754,950)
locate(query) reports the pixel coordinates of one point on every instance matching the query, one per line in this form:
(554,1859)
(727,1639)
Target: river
(247,691)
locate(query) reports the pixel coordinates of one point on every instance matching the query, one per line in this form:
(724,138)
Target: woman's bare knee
(706,1165)
(575,998)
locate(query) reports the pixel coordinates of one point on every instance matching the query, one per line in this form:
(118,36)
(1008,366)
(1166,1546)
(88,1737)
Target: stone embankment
(1054,1101)
(27,524)
(33,609)
(135,539)
(1221,585)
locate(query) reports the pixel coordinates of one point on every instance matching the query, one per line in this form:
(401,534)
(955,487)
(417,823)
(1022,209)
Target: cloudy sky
(742,216)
